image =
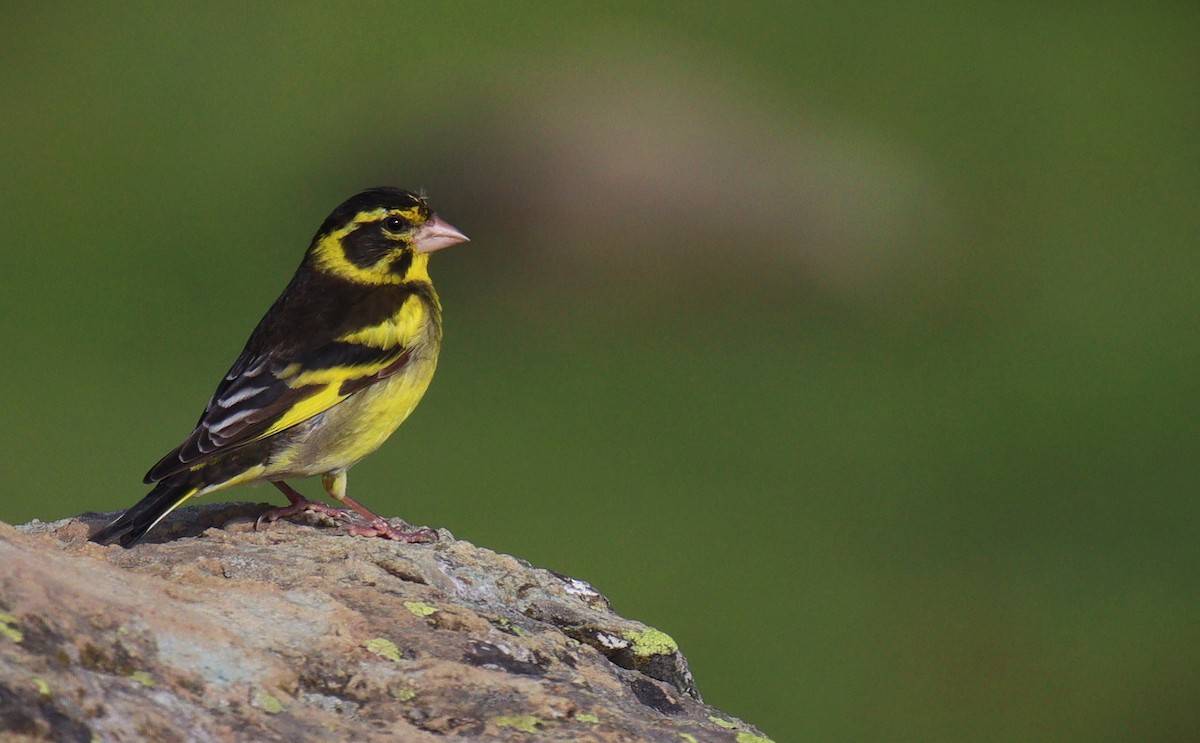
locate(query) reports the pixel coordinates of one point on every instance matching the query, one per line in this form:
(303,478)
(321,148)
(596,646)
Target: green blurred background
(855,346)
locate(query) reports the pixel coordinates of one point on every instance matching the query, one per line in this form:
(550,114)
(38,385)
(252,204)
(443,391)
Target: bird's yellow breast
(360,424)
(353,428)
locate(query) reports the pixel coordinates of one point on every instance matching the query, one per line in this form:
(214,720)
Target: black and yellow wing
(292,371)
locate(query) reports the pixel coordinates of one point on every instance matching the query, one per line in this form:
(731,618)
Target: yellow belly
(352,429)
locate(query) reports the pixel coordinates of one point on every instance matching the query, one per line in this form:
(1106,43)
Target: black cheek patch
(402,263)
(365,245)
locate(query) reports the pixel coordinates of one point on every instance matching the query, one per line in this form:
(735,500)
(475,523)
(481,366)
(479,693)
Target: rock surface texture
(212,631)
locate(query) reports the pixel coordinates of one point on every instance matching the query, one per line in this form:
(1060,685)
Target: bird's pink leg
(299,504)
(376,525)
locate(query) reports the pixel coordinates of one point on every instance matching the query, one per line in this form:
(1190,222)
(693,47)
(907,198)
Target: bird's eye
(393,224)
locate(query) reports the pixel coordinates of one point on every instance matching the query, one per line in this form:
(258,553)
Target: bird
(332,369)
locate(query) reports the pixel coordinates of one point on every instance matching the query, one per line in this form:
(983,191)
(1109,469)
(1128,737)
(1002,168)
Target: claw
(302,506)
(376,526)
(381,528)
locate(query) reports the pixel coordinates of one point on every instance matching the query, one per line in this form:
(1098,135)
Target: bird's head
(381,236)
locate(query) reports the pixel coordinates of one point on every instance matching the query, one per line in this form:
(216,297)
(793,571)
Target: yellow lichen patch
(8,628)
(507,625)
(524,723)
(419,608)
(43,688)
(651,642)
(752,738)
(689,737)
(142,678)
(587,717)
(384,648)
(403,693)
(723,723)
(267,703)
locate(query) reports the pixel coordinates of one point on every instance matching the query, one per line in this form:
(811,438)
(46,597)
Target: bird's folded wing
(264,395)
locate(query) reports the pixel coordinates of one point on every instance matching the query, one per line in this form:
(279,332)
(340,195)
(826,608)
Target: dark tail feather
(132,525)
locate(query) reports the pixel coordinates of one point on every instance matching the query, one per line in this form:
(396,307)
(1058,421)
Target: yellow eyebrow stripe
(330,256)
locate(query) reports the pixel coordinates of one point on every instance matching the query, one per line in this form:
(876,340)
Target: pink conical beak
(435,235)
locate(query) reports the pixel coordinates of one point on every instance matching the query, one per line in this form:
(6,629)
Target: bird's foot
(379,527)
(303,505)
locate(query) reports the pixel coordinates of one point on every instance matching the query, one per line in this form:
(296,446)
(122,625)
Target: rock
(211,631)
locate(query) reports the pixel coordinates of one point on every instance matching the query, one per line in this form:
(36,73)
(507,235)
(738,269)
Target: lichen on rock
(212,631)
